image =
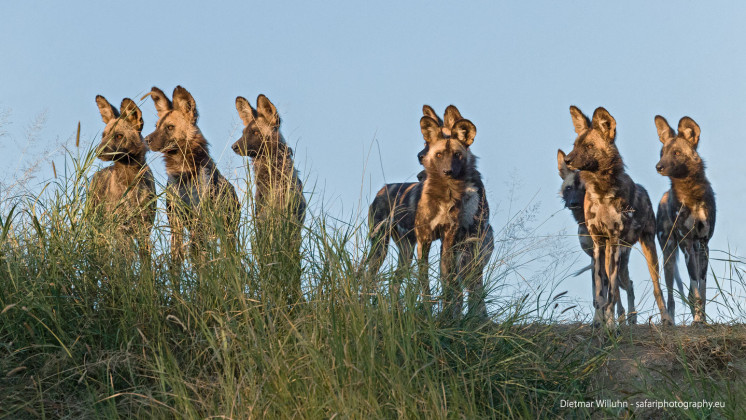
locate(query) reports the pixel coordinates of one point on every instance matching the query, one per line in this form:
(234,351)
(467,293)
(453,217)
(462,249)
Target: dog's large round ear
(450,117)
(131,113)
(561,165)
(184,102)
(428,111)
(605,123)
(245,111)
(689,130)
(464,131)
(107,111)
(579,120)
(665,132)
(430,129)
(161,102)
(267,110)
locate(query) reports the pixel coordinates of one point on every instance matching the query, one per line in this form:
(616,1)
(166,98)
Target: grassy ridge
(91,329)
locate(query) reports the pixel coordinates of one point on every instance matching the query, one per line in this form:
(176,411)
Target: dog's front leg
(612,270)
(703,254)
(599,281)
(452,295)
(423,253)
(695,253)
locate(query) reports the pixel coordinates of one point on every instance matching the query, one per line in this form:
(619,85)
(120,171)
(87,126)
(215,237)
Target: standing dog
(686,213)
(278,192)
(196,191)
(392,215)
(618,212)
(453,208)
(126,189)
(573,195)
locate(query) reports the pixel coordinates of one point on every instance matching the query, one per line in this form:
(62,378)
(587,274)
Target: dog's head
(679,157)
(261,132)
(177,127)
(448,153)
(452,115)
(573,187)
(122,136)
(594,147)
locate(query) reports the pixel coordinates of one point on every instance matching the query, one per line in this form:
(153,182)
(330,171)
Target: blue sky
(351,77)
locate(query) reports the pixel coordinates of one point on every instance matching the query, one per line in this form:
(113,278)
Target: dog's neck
(692,189)
(444,188)
(605,181)
(578,213)
(274,165)
(188,162)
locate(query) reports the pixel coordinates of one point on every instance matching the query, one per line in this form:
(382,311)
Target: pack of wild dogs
(448,202)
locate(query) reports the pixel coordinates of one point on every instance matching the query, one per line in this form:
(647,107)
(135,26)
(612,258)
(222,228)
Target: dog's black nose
(235,147)
(659,167)
(448,172)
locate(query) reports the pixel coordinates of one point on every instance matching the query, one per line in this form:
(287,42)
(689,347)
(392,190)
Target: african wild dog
(392,214)
(126,189)
(617,211)
(277,183)
(279,190)
(686,213)
(453,208)
(573,195)
(195,190)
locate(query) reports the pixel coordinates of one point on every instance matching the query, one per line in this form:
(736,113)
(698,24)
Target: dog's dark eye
(589,146)
(170,128)
(119,136)
(458,155)
(567,188)
(254,132)
(677,153)
(439,155)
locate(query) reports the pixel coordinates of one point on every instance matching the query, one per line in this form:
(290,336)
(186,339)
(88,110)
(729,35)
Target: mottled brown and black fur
(195,191)
(279,205)
(453,208)
(686,213)
(618,212)
(573,195)
(391,215)
(124,192)
(278,186)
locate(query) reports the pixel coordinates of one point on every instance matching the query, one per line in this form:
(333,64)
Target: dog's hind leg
(647,242)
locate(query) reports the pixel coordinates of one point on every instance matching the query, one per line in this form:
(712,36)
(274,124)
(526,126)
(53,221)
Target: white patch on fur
(442,217)
(697,218)
(469,206)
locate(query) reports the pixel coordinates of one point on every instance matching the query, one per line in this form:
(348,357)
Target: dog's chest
(461,213)
(693,222)
(190,190)
(606,216)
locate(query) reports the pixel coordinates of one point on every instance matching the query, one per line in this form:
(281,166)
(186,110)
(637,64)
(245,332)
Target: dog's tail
(583,270)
